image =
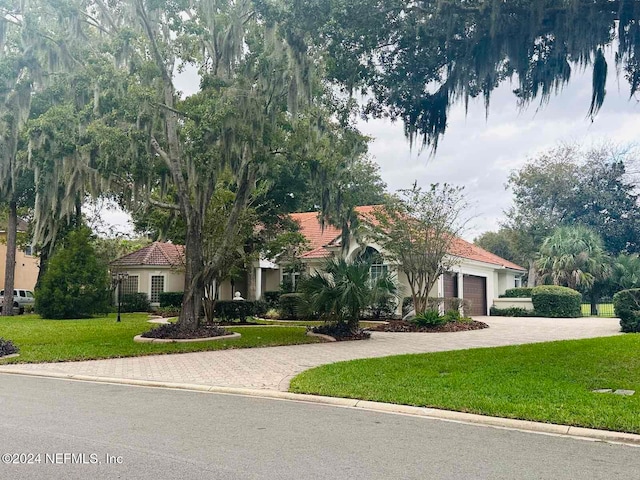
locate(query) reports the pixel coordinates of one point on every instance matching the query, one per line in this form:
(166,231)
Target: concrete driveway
(272,368)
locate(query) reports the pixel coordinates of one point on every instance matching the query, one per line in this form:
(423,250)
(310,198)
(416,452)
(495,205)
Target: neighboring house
(26,273)
(159,267)
(479,277)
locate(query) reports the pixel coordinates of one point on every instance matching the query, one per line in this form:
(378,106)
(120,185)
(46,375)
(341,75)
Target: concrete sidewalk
(272,368)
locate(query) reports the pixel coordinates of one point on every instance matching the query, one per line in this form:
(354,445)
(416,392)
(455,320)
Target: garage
(450,285)
(475,293)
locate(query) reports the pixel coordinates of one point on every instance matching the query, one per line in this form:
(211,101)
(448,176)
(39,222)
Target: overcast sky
(480,152)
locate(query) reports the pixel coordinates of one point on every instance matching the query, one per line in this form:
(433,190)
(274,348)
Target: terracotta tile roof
(310,227)
(157,254)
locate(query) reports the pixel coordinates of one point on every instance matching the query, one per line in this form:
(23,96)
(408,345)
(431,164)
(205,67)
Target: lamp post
(117,278)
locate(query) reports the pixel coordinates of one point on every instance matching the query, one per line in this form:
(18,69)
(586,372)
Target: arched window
(375,259)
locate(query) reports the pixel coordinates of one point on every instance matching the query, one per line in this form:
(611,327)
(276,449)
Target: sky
(479,152)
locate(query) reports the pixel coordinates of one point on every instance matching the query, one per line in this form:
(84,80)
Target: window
(290,281)
(374,258)
(157,287)
(22,293)
(28,250)
(130,285)
(518,282)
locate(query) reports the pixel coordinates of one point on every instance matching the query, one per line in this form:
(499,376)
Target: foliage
(625,272)
(573,257)
(170,299)
(342,290)
(230,310)
(110,249)
(627,307)
(272,314)
(76,284)
(291,306)
(167,312)
(135,302)
(556,301)
(429,318)
(7,347)
(272,298)
(518,292)
(512,312)
(418,230)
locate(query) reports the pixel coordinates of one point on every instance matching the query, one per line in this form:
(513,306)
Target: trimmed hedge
(626,304)
(291,306)
(135,302)
(170,299)
(272,298)
(518,292)
(512,312)
(229,310)
(556,301)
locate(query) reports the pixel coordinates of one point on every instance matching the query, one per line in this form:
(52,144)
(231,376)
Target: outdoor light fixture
(117,278)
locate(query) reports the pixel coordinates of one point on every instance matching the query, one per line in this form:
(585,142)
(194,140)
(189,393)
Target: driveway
(272,368)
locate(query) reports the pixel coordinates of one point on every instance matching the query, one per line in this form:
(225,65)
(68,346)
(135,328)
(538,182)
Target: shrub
(7,347)
(626,304)
(229,310)
(556,301)
(272,298)
(272,314)
(452,315)
(135,302)
(430,318)
(27,309)
(291,306)
(512,312)
(167,312)
(76,282)
(260,308)
(518,292)
(171,299)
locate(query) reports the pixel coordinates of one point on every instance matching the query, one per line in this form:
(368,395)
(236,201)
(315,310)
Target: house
(27,266)
(478,277)
(159,267)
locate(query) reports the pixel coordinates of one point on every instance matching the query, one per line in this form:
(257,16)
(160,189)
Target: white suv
(21,298)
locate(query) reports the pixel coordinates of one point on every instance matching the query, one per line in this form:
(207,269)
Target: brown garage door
(475,293)
(450,285)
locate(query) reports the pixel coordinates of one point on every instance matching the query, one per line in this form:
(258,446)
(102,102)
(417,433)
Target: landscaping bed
(174,332)
(404,326)
(340,332)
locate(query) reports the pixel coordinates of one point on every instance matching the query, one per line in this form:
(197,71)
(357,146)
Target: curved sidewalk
(272,368)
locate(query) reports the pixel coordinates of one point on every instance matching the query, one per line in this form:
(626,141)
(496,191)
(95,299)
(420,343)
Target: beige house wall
(27,267)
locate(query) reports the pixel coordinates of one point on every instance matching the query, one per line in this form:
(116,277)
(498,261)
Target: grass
(547,382)
(68,340)
(604,310)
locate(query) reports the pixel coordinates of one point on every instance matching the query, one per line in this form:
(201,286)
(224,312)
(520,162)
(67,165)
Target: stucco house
(478,277)
(27,266)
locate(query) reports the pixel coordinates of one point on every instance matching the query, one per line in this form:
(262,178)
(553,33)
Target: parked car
(21,298)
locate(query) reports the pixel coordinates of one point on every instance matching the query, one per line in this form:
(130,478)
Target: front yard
(68,340)
(547,382)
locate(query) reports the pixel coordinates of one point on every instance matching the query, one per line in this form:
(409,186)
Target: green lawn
(67,340)
(604,310)
(548,382)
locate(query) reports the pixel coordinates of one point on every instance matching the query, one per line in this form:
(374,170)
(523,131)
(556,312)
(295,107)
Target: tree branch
(164,205)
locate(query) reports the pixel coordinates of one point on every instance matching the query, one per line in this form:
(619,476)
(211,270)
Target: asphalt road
(98,431)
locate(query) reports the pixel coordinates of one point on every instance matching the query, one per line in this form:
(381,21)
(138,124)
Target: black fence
(602,310)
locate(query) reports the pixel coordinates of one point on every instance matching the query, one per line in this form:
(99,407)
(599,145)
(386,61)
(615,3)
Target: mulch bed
(340,333)
(174,332)
(402,326)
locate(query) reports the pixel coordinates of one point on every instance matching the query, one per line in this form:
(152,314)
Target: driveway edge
(431,413)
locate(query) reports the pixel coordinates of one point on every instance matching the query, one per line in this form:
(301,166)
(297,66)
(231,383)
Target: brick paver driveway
(272,368)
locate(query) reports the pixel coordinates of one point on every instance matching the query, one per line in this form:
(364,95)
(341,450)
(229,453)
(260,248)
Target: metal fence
(602,309)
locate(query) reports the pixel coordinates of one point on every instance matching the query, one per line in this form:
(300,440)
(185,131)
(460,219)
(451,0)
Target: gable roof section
(330,237)
(157,254)
(23,226)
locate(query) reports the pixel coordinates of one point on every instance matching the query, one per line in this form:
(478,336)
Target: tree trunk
(531,277)
(10,264)
(251,282)
(193,280)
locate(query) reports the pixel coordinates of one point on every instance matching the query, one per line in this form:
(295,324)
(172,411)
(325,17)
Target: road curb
(430,413)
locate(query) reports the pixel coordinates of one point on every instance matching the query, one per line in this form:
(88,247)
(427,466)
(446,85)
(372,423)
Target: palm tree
(342,290)
(626,271)
(573,256)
